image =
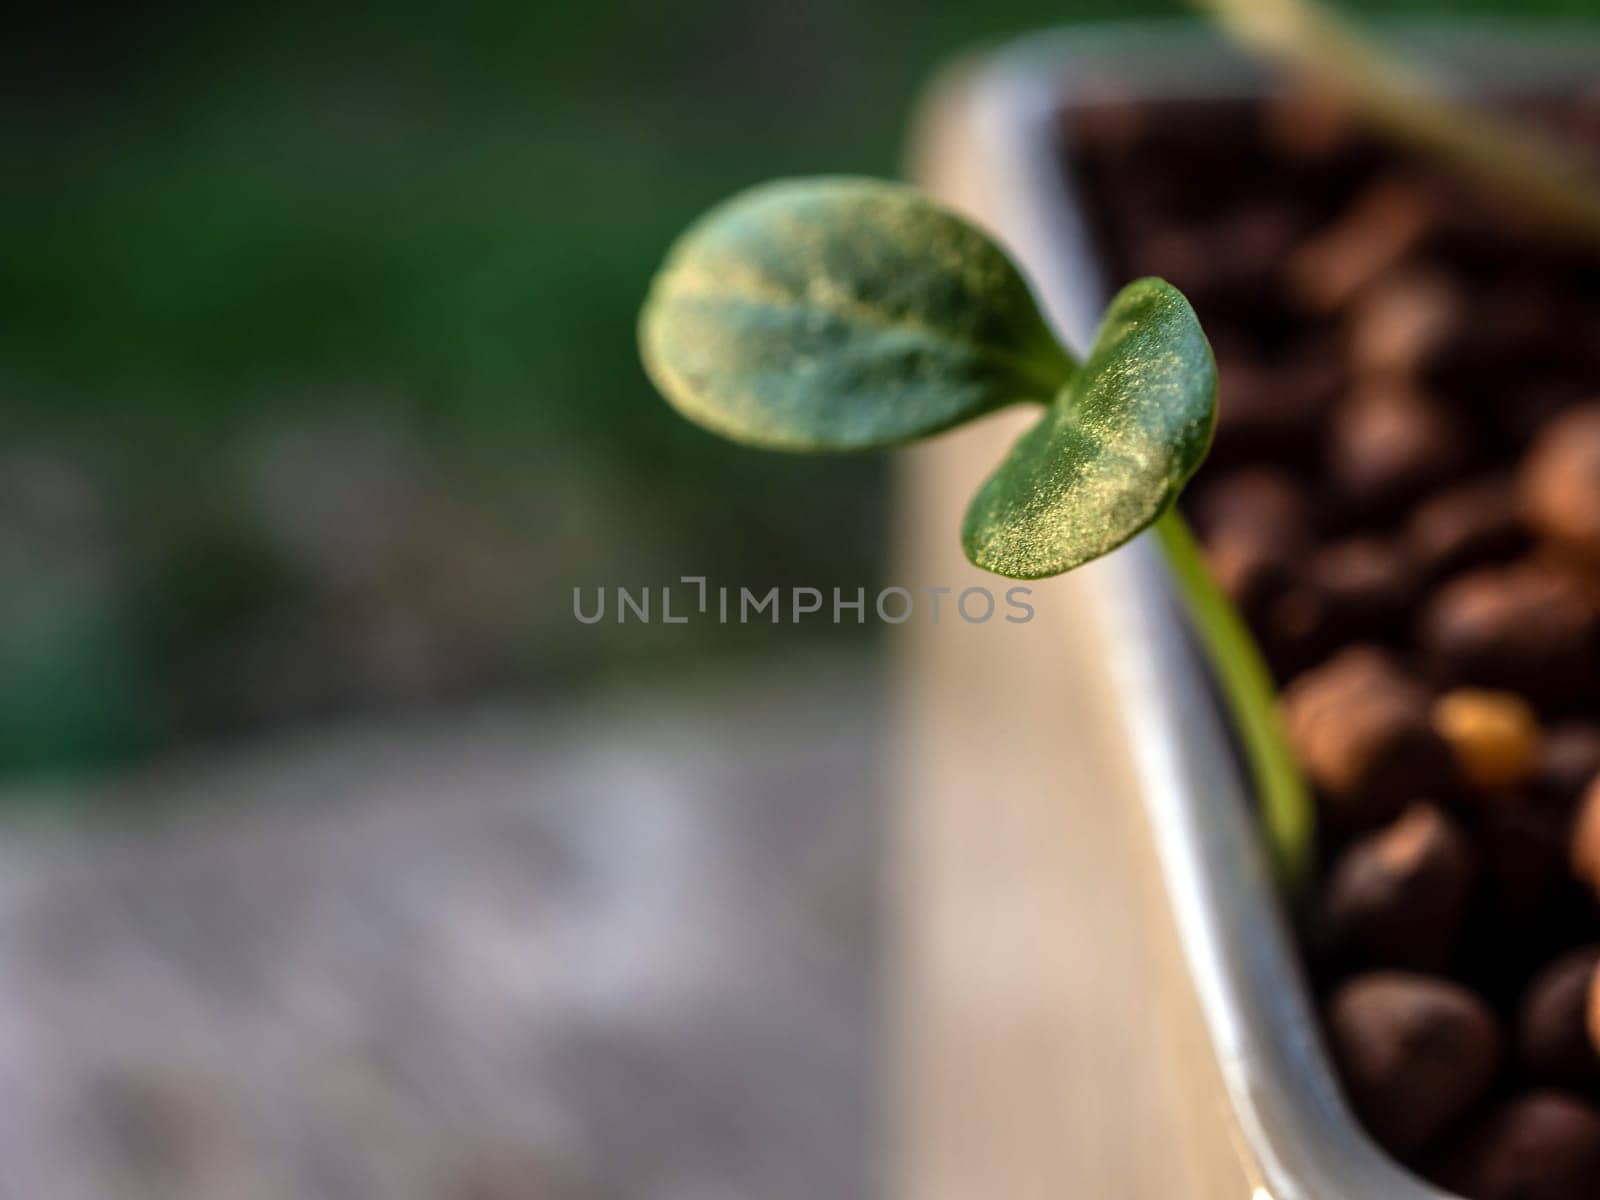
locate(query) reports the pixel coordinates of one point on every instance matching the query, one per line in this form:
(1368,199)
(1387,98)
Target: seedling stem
(1247,689)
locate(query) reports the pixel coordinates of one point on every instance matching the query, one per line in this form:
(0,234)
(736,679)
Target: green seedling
(842,314)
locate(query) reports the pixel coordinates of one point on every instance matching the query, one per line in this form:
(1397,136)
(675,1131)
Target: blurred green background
(316,341)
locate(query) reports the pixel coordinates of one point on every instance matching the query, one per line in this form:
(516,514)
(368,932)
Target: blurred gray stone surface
(629,950)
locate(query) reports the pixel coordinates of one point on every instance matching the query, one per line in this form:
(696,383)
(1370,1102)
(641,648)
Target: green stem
(1247,687)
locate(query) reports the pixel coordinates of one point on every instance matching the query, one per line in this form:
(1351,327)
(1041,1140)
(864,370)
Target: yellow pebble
(1495,735)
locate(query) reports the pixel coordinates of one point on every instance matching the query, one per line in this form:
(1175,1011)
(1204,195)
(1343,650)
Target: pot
(1098,987)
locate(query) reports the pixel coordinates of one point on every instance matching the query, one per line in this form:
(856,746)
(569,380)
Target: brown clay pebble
(1173,254)
(1569,760)
(1109,123)
(1416,1052)
(1255,574)
(1367,584)
(1559,484)
(1257,529)
(1465,526)
(1250,571)
(1398,324)
(1528,628)
(1269,411)
(1552,1032)
(1294,630)
(1592,1012)
(1385,222)
(1236,249)
(1360,728)
(1540,1145)
(1259,502)
(1285,611)
(1520,849)
(1494,735)
(1308,125)
(1396,897)
(1583,850)
(1388,445)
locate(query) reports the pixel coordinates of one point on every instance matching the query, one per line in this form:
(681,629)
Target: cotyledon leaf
(840,313)
(1113,450)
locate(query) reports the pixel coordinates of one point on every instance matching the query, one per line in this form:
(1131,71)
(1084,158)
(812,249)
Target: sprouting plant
(839,314)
